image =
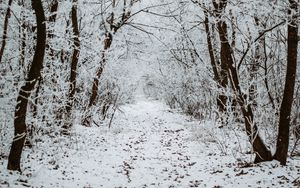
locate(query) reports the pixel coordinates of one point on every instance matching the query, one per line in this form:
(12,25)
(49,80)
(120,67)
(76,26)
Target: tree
(219,66)
(23,36)
(51,21)
(4,36)
(227,63)
(111,25)
(25,91)
(221,100)
(287,101)
(74,62)
(260,149)
(226,52)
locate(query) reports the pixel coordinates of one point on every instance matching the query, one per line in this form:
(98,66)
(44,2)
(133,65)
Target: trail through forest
(79,79)
(147,146)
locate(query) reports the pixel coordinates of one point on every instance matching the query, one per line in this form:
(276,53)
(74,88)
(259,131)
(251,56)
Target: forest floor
(148,145)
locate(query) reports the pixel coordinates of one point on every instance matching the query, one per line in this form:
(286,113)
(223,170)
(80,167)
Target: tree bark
(107,44)
(74,62)
(94,95)
(25,91)
(53,10)
(261,151)
(22,37)
(51,19)
(114,26)
(4,36)
(210,48)
(226,54)
(221,99)
(229,71)
(287,101)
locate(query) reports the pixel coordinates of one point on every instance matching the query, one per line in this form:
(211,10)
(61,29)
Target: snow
(148,145)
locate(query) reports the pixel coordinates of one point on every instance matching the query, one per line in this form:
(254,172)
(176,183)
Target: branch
(259,37)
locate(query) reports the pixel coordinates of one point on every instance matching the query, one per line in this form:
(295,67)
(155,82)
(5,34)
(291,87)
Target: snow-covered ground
(148,145)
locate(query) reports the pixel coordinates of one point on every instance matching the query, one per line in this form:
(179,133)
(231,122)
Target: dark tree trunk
(22,37)
(25,91)
(53,10)
(211,49)
(4,36)
(95,86)
(94,95)
(23,45)
(22,48)
(229,71)
(51,19)
(107,44)
(114,27)
(287,101)
(221,99)
(226,54)
(74,62)
(261,151)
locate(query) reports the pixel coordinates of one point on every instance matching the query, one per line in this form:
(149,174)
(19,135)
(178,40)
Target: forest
(149,93)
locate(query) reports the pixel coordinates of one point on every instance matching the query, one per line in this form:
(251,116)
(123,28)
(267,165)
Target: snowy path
(147,149)
(148,146)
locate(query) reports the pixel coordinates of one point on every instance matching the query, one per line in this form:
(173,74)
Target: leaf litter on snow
(148,146)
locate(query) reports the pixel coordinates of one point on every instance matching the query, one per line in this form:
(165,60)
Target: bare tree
(51,20)
(221,100)
(23,36)
(25,91)
(226,51)
(114,22)
(74,62)
(4,36)
(227,64)
(287,101)
(260,149)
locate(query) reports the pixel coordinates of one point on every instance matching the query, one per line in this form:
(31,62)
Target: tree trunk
(225,55)
(53,10)
(4,36)
(74,62)
(114,27)
(222,99)
(261,151)
(25,91)
(107,44)
(95,86)
(210,48)
(227,65)
(94,95)
(287,101)
(22,37)
(51,19)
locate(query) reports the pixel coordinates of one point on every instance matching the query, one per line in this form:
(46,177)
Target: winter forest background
(227,70)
